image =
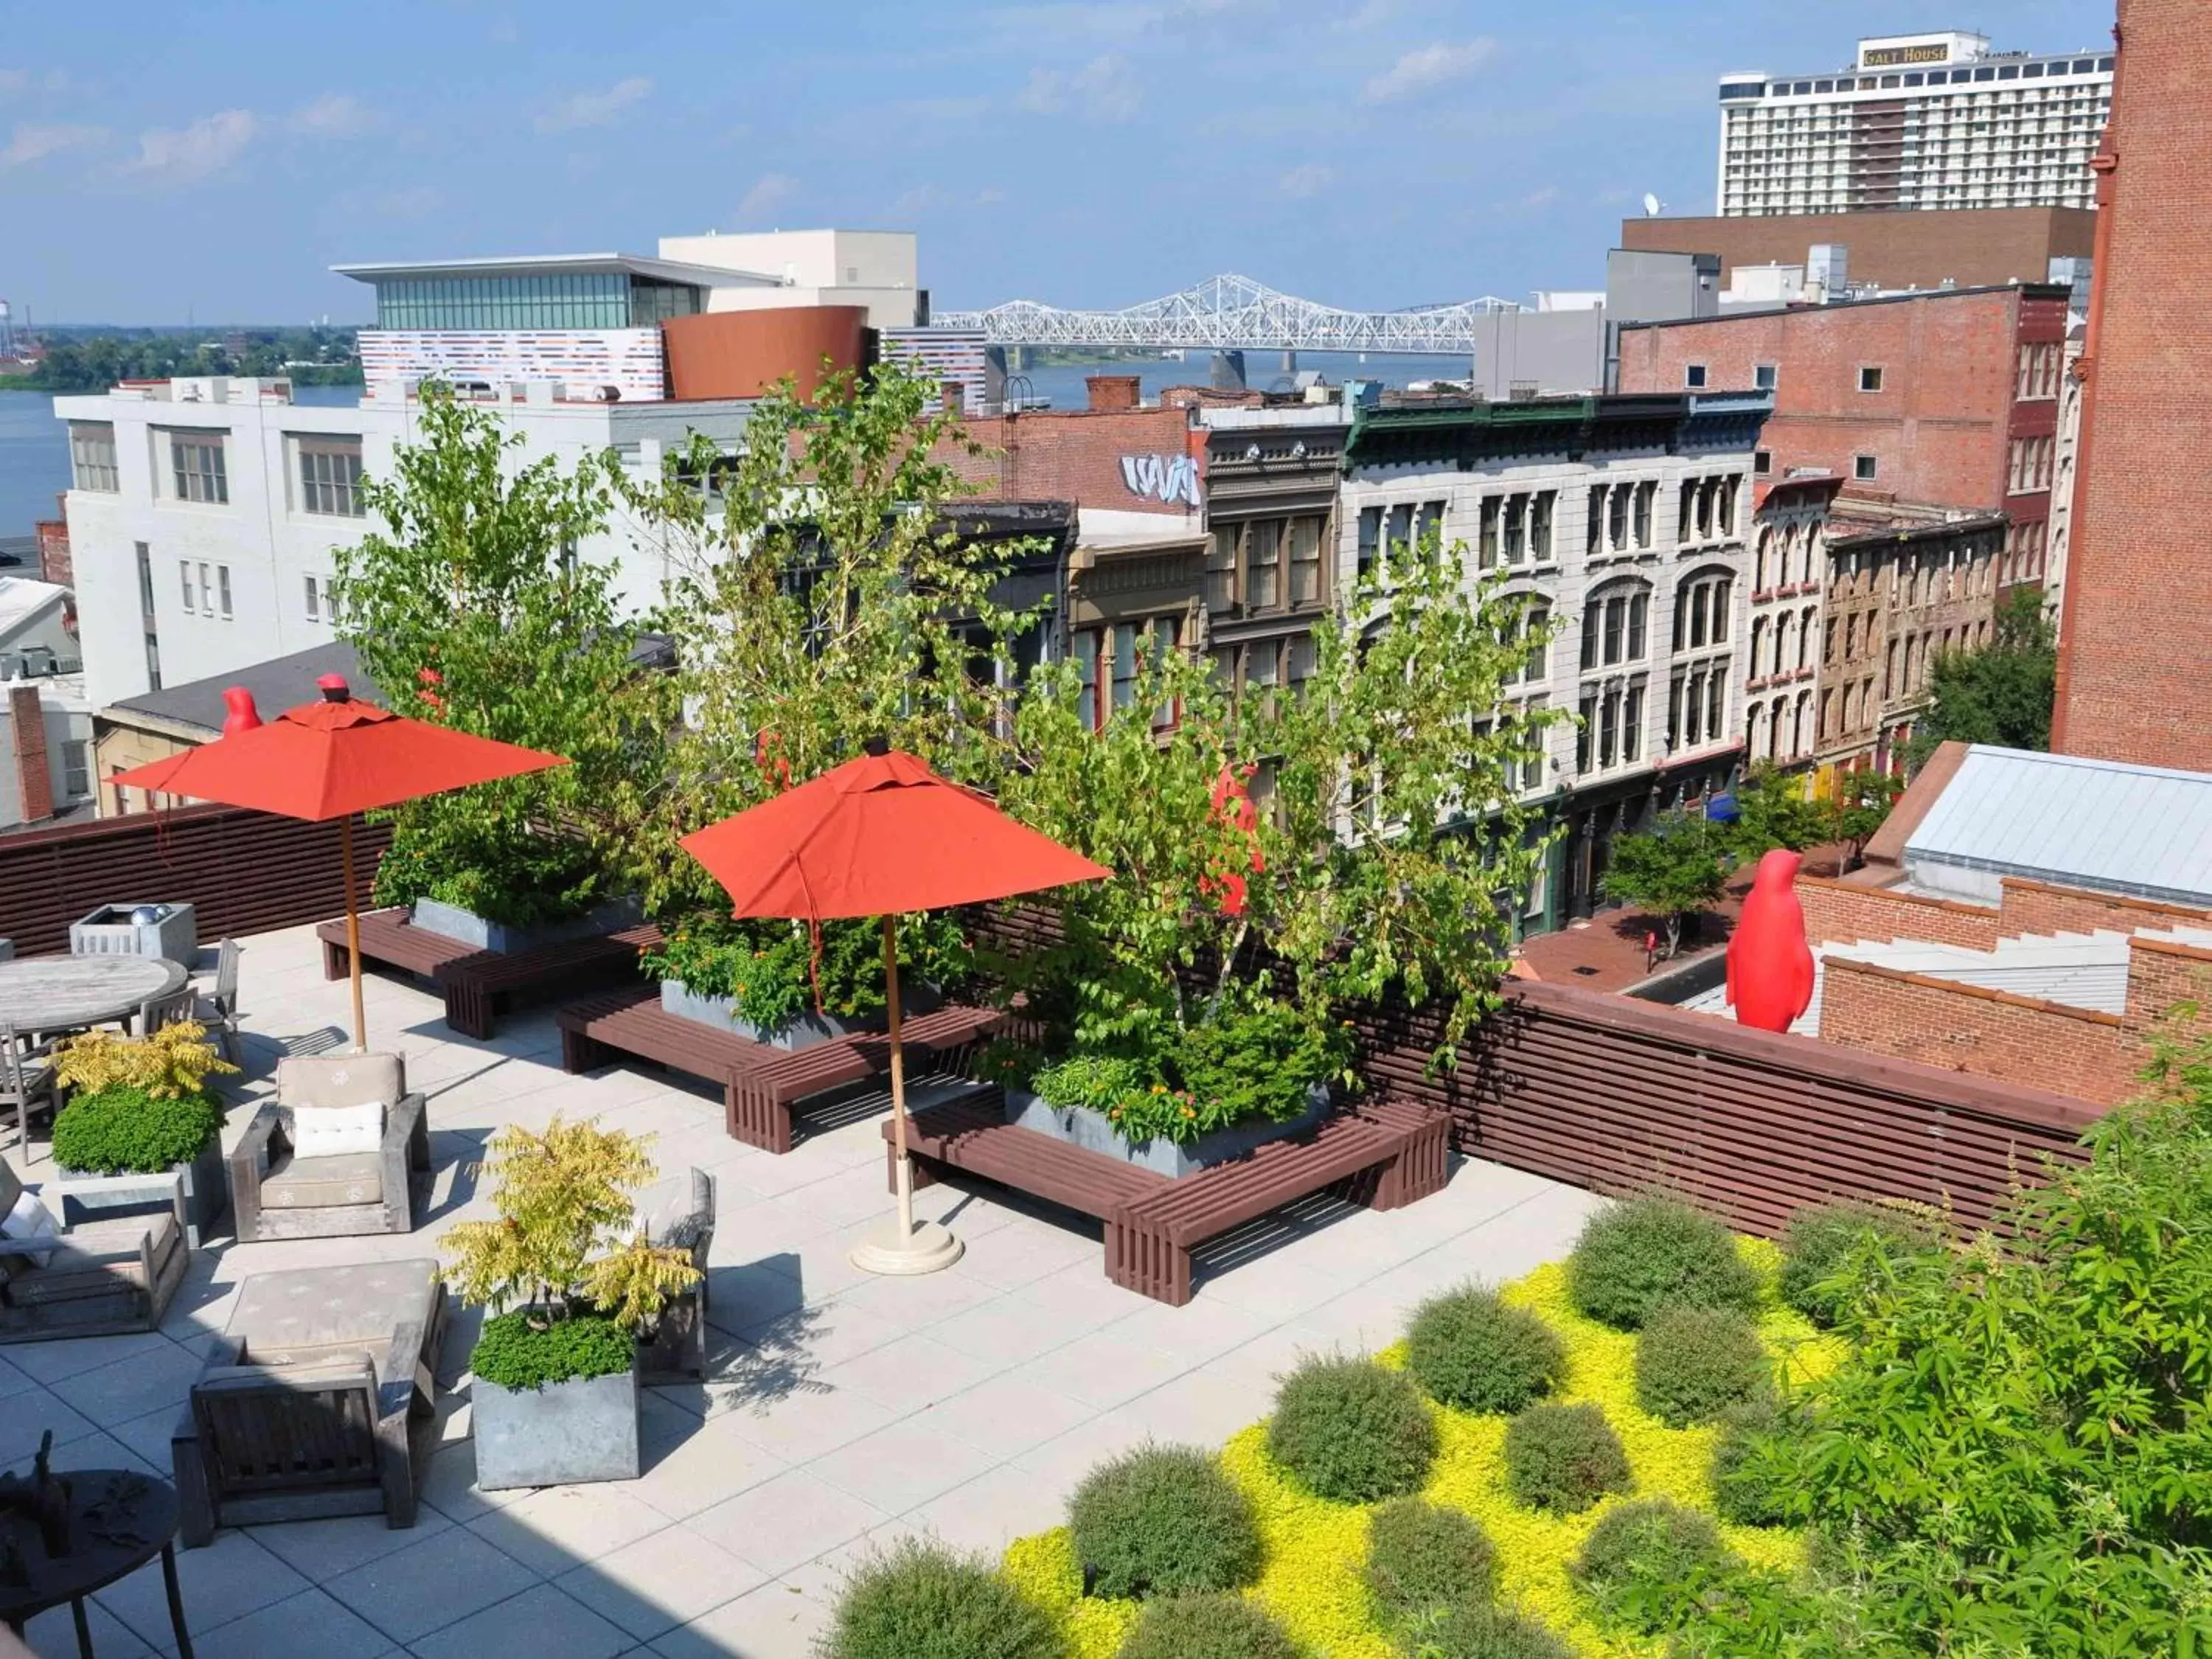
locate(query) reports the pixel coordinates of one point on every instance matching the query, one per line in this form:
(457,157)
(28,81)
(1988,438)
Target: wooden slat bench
(760,1084)
(1385,1154)
(479,985)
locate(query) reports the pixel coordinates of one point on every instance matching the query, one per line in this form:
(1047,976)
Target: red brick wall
(54,564)
(2136,651)
(2037,907)
(1940,427)
(1839,912)
(2162,978)
(33,782)
(1075,455)
(1966,1028)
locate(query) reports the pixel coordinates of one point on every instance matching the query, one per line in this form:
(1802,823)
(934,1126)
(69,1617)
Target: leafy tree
(2002,694)
(94,362)
(1863,807)
(822,595)
(1351,837)
(1678,866)
(1773,810)
(472,607)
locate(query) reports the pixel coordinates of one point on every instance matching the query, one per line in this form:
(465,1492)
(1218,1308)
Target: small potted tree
(143,1130)
(570,1284)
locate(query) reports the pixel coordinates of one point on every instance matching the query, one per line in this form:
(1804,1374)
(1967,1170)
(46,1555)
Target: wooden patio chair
(217,1010)
(26,1076)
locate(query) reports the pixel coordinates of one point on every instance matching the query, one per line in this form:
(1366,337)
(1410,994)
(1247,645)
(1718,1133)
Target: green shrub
(1350,1431)
(127,1131)
(511,1353)
(1206,1627)
(1478,1631)
(1746,1489)
(1645,1564)
(1820,1241)
(1422,1559)
(1564,1458)
(1691,1362)
(1646,1254)
(1469,1350)
(1164,1521)
(921,1600)
(772,968)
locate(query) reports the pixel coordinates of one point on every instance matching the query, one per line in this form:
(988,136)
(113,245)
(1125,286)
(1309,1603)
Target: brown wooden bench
(760,1084)
(479,985)
(1384,1154)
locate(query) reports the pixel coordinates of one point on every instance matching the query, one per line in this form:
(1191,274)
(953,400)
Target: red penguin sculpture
(240,714)
(1770,967)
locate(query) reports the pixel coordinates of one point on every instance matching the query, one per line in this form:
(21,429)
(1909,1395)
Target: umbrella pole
(353,932)
(905,1176)
(901,1247)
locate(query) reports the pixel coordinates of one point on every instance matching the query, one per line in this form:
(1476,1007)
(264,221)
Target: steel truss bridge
(1234,314)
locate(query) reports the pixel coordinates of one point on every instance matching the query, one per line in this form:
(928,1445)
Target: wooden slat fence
(246,872)
(1615,1094)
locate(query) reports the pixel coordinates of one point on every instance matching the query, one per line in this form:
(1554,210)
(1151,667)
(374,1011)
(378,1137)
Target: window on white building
(76,771)
(330,477)
(314,599)
(197,468)
(92,456)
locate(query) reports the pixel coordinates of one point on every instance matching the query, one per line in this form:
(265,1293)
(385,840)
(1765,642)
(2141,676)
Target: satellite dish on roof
(1651,205)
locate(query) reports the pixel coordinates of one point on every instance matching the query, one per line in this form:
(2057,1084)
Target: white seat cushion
(29,1229)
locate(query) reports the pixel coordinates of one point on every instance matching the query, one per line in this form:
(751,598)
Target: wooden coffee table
(119,1521)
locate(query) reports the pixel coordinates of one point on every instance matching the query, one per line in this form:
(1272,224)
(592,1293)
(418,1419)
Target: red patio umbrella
(331,760)
(875,838)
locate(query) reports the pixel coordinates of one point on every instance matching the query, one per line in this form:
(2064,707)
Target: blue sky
(214,160)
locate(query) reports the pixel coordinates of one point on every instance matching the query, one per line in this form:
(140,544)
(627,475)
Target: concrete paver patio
(841,1410)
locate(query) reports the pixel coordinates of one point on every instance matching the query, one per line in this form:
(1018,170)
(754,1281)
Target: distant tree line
(92,362)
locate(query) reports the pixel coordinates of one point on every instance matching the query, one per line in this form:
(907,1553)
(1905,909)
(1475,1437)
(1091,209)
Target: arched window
(1616,625)
(1703,603)
(1781,658)
(1762,577)
(1808,626)
(1758,646)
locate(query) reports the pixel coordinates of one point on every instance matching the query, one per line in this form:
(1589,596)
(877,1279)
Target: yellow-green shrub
(1312,1552)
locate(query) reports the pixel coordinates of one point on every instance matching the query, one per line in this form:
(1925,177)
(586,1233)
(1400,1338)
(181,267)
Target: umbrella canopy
(874,837)
(331,760)
(334,758)
(877,836)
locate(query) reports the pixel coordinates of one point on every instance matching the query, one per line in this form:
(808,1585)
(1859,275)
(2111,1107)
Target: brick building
(1788,579)
(2136,639)
(1905,584)
(1949,398)
(1973,247)
(1114,457)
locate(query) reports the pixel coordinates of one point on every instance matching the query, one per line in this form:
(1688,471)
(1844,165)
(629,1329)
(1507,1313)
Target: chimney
(1109,391)
(29,722)
(954,395)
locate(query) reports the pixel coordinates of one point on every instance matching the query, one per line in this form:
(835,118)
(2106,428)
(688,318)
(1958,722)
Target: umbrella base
(928,1248)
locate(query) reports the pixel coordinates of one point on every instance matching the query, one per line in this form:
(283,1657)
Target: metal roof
(547,264)
(2142,830)
(280,682)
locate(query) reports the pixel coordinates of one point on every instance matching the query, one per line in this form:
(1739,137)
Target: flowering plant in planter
(769,970)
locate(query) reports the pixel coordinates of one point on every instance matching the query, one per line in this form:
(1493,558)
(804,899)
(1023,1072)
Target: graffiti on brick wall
(1172,479)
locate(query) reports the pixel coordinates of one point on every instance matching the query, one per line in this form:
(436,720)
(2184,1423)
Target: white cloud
(935,198)
(1103,88)
(595,109)
(32,143)
(1308,180)
(186,155)
(1426,68)
(769,191)
(333,115)
(1541,198)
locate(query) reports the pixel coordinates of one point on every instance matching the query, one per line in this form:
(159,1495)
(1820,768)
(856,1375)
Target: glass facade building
(553,299)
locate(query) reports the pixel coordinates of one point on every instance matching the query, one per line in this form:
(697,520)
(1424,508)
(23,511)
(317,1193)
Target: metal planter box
(1079,1126)
(110,932)
(450,920)
(560,1435)
(197,1192)
(803,1032)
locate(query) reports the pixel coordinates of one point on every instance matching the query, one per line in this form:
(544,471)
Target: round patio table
(119,1521)
(70,993)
